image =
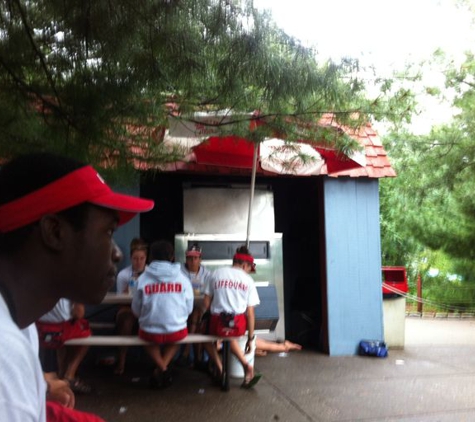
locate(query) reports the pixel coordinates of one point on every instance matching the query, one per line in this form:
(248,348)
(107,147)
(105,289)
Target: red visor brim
(79,186)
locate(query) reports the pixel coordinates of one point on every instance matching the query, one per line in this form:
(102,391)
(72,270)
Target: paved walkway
(432,379)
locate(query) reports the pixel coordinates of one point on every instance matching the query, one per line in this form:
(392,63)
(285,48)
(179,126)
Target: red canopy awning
(235,152)
(229,151)
(336,161)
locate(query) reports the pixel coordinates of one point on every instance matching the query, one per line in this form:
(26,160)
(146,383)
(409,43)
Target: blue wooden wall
(353,263)
(128,231)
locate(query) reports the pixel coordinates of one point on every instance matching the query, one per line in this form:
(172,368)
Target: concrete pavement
(432,379)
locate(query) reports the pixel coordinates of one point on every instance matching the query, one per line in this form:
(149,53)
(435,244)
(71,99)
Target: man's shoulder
(182,277)
(204,271)
(222,270)
(229,272)
(165,271)
(15,342)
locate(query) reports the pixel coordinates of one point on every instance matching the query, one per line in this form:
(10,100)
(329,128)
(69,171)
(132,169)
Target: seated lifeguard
(198,276)
(163,301)
(232,296)
(126,322)
(65,322)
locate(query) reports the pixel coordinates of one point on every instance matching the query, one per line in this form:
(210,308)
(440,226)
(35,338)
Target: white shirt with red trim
(123,279)
(232,290)
(164,298)
(22,385)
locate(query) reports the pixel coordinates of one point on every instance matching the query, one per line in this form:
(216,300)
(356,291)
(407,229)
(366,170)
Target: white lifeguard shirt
(198,280)
(232,290)
(164,298)
(123,279)
(22,385)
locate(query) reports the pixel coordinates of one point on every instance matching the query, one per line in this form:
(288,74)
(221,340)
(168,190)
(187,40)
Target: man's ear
(53,230)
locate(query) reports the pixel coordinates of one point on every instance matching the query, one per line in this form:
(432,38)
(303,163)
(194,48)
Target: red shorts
(56,412)
(163,338)
(53,336)
(220,328)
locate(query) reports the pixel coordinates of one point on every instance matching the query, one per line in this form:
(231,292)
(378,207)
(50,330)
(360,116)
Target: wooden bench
(114,340)
(102,317)
(266,314)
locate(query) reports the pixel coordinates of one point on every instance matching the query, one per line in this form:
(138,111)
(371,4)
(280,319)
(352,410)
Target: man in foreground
(57,218)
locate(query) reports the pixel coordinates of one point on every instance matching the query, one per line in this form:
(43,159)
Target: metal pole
(251,197)
(419,293)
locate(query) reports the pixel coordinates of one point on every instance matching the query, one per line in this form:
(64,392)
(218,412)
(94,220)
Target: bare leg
(273,347)
(74,358)
(193,319)
(237,351)
(161,377)
(125,326)
(169,351)
(291,346)
(156,354)
(185,353)
(61,355)
(214,356)
(194,328)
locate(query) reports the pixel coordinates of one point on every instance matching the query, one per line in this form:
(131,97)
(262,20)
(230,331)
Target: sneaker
(167,378)
(156,380)
(79,387)
(159,380)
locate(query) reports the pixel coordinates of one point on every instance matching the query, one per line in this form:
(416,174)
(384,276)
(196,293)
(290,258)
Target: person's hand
(59,391)
(248,347)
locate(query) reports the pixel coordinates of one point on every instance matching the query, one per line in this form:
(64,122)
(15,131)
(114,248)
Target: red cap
(195,250)
(193,253)
(79,186)
(247,258)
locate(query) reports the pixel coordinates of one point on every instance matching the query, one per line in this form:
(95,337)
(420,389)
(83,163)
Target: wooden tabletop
(126,299)
(117,299)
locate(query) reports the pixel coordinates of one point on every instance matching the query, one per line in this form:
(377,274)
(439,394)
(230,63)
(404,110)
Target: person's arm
(251,320)
(207,302)
(208,292)
(136,304)
(58,390)
(122,282)
(190,298)
(78,311)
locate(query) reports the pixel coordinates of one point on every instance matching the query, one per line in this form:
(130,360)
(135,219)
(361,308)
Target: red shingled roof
(377,160)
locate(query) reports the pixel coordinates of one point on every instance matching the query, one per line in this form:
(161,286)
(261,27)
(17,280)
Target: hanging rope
(421,300)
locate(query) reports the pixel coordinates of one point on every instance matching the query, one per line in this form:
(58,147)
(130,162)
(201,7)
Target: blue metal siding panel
(353,252)
(124,234)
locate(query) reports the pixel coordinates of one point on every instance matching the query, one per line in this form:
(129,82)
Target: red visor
(77,187)
(193,253)
(246,258)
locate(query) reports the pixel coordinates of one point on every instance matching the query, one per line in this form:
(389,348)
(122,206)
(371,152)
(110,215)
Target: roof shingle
(377,160)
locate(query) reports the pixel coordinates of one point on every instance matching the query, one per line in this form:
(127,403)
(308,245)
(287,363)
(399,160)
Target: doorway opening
(298,216)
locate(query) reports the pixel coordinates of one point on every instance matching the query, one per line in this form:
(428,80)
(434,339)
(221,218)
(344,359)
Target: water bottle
(133,284)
